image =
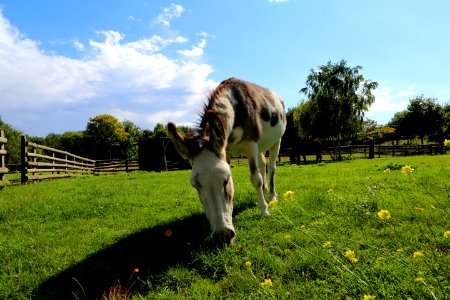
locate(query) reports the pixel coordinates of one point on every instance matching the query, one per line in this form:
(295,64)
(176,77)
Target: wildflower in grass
(447,234)
(380,258)
(384,214)
(447,143)
(289,195)
(330,190)
(406,169)
(420,279)
(273,203)
(248,264)
(327,245)
(303,226)
(418,254)
(368,297)
(136,270)
(351,256)
(387,171)
(267,283)
(287,236)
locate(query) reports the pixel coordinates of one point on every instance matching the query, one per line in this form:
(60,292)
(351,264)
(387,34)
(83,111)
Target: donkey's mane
(198,137)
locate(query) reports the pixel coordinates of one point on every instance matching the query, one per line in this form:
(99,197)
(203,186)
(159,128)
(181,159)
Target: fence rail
(3,152)
(114,166)
(42,162)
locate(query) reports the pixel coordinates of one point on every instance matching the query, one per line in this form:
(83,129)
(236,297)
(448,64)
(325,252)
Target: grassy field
(350,230)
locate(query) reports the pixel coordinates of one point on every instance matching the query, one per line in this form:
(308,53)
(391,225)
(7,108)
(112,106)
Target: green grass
(144,235)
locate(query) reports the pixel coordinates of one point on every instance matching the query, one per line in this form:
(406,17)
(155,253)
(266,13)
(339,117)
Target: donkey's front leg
(256,178)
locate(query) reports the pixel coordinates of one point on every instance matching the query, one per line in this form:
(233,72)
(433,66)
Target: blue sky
(63,62)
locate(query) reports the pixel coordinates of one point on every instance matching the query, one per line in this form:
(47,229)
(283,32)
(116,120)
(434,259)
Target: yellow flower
(327,245)
(417,254)
(267,283)
(447,143)
(351,256)
(447,234)
(368,297)
(386,171)
(384,214)
(289,195)
(420,279)
(273,203)
(248,264)
(380,258)
(406,169)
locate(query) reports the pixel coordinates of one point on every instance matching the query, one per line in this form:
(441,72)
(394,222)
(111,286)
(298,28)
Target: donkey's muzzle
(224,236)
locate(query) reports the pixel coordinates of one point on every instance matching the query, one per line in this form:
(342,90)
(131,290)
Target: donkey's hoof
(265,213)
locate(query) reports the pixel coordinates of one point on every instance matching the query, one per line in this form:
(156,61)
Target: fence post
(23,160)
(3,141)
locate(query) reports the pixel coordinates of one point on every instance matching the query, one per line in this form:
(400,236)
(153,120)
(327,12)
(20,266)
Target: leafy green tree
(53,140)
(424,117)
(104,136)
(130,147)
(13,146)
(338,97)
(74,142)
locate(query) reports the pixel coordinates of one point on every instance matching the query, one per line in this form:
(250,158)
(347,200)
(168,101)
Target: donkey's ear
(178,140)
(216,132)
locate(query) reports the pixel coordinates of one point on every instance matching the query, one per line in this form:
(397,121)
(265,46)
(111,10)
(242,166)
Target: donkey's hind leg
(255,176)
(262,171)
(274,151)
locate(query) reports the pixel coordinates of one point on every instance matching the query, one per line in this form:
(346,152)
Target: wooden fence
(114,166)
(42,162)
(388,150)
(3,152)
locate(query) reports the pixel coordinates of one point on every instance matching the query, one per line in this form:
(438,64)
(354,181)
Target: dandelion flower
(351,256)
(406,169)
(387,171)
(384,214)
(368,297)
(447,234)
(417,254)
(289,195)
(248,264)
(327,245)
(267,283)
(419,279)
(273,203)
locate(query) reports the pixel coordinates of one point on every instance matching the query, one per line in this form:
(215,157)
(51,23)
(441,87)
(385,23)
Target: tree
(130,147)
(13,144)
(424,117)
(104,136)
(338,96)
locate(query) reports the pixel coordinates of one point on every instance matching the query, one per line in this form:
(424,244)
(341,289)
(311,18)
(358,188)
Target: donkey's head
(211,174)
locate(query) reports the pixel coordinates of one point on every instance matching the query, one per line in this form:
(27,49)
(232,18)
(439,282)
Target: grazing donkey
(240,118)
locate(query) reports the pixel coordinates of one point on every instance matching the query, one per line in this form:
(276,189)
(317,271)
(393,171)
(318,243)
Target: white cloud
(195,51)
(169,13)
(385,102)
(132,80)
(278,1)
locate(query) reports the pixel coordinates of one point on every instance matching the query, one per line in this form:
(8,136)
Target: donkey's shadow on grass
(128,265)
